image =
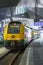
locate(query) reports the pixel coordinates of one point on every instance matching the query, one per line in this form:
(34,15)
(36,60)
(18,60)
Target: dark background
(8,3)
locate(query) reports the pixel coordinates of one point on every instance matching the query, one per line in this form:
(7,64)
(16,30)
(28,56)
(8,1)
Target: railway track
(11,58)
(17,60)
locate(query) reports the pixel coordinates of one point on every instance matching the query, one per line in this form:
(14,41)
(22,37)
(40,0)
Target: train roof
(15,22)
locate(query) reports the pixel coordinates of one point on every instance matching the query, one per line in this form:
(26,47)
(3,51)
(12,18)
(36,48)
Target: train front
(14,34)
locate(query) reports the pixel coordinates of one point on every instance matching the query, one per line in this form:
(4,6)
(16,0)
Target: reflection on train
(14,34)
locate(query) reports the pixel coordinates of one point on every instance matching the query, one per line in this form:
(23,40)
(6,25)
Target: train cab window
(14,28)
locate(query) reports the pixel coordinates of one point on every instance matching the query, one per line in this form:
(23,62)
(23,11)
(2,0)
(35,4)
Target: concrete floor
(3,51)
(33,55)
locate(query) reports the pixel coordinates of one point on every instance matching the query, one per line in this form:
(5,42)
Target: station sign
(39,23)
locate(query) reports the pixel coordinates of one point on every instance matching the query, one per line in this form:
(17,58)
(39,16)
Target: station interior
(30,14)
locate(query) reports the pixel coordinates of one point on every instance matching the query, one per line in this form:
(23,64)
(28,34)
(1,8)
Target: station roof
(8,3)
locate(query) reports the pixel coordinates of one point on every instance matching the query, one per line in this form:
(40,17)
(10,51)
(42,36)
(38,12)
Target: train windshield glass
(14,29)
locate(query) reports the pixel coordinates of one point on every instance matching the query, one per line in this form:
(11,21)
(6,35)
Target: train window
(14,30)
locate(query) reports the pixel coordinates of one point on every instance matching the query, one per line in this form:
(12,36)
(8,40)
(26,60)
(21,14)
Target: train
(14,34)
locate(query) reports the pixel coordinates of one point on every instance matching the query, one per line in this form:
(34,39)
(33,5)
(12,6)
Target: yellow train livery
(14,33)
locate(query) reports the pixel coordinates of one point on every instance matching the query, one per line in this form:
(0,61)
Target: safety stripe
(27,62)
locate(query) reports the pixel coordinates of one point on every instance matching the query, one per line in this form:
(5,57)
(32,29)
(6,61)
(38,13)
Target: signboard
(39,23)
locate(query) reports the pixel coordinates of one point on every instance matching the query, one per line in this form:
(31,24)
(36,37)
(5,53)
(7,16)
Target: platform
(3,51)
(33,55)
